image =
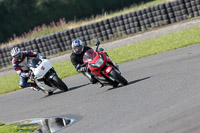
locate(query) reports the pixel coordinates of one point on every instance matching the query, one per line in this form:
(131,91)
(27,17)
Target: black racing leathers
(77,59)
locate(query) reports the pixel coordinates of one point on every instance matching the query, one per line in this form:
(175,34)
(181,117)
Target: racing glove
(82,69)
(24,75)
(40,56)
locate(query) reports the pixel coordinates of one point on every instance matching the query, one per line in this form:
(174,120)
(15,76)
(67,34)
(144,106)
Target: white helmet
(77,46)
(16,53)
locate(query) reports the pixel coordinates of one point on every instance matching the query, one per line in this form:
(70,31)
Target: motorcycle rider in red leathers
(20,62)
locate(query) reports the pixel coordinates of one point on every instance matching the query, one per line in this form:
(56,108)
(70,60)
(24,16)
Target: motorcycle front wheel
(118,77)
(57,82)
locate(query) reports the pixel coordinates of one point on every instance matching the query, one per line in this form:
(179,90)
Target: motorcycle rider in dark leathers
(78,50)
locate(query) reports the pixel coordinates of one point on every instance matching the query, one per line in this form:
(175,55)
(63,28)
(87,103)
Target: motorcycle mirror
(97,43)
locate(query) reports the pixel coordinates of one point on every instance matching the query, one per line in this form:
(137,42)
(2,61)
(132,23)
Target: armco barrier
(133,22)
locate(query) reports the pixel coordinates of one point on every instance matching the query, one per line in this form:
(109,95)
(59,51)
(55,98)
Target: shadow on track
(76,87)
(69,89)
(129,83)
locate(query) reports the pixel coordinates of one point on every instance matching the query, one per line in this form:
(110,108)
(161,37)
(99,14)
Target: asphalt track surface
(162,96)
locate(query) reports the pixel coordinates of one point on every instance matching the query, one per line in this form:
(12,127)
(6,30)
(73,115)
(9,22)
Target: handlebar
(82,65)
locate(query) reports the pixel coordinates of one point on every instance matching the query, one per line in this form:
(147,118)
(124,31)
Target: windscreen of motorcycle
(89,55)
(34,63)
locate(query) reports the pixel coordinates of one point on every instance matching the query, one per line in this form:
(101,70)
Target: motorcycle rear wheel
(118,77)
(59,83)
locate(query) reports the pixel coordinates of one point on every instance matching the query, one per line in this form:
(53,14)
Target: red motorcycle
(102,67)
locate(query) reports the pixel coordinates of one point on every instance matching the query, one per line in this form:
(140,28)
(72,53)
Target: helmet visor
(78,49)
(18,56)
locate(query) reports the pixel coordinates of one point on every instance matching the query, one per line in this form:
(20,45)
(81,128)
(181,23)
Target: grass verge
(122,54)
(18,128)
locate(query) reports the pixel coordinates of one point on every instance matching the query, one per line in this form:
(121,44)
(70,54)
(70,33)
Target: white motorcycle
(43,74)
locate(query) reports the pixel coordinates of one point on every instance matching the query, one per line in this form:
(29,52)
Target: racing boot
(92,79)
(101,85)
(115,85)
(34,87)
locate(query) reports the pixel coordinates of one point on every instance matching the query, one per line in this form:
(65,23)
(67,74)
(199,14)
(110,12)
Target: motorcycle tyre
(118,77)
(50,93)
(59,84)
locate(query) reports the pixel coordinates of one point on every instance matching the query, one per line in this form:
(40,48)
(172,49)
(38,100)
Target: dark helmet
(77,46)
(16,53)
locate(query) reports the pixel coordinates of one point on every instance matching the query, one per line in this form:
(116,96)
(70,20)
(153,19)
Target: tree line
(19,16)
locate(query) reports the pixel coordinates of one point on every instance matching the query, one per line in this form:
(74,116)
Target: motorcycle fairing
(107,70)
(97,63)
(42,69)
(43,85)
